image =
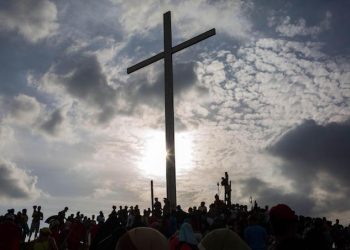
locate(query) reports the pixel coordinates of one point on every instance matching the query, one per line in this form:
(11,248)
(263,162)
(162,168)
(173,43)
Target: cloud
(33,19)
(53,123)
(258,94)
(228,16)
(299,28)
(316,160)
(93,95)
(24,109)
(144,93)
(267,194)
(26,112)
(15,183)
(148,87)
(81,76)
(313,148)
(82,26)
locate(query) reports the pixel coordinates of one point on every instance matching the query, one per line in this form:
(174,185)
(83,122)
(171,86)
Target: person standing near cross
(167,54)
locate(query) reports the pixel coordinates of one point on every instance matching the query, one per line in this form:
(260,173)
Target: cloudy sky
(266,99)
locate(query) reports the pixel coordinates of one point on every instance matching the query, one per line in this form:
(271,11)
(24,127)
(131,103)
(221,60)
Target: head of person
(39,208)
(283,221)
(9,218)
(66,209)
(24,211)
(216,197)
(252,219)
(34,207)
(45,233)
(187,235)
(202,203)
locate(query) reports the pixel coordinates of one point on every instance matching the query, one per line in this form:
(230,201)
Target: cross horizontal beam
(174,49)
(146,62)
(193,40)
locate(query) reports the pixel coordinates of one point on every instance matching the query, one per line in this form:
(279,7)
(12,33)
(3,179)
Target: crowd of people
(278,228)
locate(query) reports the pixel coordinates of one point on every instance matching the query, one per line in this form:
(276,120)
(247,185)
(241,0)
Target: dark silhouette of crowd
(278,228)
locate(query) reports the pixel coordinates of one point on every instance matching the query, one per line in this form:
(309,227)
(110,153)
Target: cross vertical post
(169,112)
(167,55)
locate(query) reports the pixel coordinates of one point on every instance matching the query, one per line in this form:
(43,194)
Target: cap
(45,230)
(282,212)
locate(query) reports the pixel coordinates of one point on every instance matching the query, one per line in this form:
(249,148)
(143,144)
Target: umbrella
(222,239)
(51,218)
(142,238)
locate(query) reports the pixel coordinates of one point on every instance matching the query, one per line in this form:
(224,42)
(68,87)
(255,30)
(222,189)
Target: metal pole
(152,197)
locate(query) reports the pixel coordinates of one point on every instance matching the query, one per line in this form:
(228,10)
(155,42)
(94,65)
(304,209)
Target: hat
(282,212)
(45,230)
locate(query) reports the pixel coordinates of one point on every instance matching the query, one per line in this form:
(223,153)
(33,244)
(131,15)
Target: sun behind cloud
(153,160)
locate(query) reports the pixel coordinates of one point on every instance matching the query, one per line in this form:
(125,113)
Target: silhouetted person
(10,234)
(100,218)
(120,212)
(166,208)
(62,216)
(157,208)
(284,226)
(108,234)
(316,239)
(37,216)
(114,212)
(24,224)
(131,218)
(93,221)
(338,235)
(10,213)
(77,216)
(202,208)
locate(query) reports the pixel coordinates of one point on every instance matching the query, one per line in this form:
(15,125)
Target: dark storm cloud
(10,182)
(311,148)
(265,194)
(52,125)
(82,78)
(152,93)
(311,151)
(141,90)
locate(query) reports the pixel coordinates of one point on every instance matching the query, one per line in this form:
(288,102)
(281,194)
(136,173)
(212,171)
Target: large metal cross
(167,54)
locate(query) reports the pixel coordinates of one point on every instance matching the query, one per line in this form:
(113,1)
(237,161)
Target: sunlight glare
(153,163)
